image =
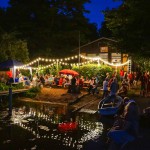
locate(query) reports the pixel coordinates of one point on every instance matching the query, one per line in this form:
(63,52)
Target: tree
(130,26)
(104,31)
(12,48)
(50,27)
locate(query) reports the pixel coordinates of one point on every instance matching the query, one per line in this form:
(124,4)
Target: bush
(3,87)
(91,70)
(30,94)
(19,86)
(35,90)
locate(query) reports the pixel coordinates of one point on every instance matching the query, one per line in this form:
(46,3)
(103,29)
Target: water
(35,126)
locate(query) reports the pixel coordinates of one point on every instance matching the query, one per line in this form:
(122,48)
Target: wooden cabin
(106,49)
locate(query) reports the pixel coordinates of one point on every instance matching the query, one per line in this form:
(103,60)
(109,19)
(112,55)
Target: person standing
(73,81)
(113,87)
(105,88)
(73,84)
(143,80)
(121,74)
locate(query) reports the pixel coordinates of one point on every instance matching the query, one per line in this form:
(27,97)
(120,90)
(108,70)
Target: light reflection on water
(41,121)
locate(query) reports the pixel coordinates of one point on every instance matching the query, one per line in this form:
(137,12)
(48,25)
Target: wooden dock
(3,93)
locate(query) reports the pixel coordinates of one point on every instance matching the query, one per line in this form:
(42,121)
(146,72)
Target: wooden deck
(2,93)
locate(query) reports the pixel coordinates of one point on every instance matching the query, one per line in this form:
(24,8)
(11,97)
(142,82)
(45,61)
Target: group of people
(126,125)
(134,77)
(59,80)
(128,81)
(111,87)
(110,84)
(125,128)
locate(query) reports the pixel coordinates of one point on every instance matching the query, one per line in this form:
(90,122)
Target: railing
(2,93)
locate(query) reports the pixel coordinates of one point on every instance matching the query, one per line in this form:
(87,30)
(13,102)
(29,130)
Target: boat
(107,107)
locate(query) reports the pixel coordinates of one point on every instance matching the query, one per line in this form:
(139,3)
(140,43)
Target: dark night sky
(95,7)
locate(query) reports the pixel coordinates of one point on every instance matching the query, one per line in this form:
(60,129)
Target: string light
(106,62)
(63,61)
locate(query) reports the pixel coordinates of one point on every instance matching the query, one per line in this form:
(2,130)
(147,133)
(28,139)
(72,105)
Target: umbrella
(10,64)
(68,71)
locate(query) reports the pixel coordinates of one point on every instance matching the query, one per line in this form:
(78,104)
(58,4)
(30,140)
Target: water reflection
(42,122)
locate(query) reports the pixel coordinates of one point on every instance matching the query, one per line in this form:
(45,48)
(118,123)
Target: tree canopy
(51,27)
(12,48)
(129,25)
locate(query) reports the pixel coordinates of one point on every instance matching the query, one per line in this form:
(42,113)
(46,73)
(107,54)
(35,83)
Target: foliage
(104,31)
(35,89)
(92,70)
(143,63)
(49,26)
(12,48)
(25,72)
(130,26)
(4,87)
(52,70)
(18,86)
(32,92)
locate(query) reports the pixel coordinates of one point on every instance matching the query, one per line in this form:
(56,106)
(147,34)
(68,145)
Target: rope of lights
(106,62)
(61,61)
(50,60)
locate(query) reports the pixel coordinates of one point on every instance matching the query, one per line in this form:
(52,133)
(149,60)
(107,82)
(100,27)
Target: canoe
(107,107)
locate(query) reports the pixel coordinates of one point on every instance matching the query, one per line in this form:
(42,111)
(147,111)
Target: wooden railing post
(10,101)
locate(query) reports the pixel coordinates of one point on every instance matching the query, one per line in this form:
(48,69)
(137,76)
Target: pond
(43,126)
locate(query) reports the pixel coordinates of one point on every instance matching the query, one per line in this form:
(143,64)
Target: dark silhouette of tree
(130,26)
(104,31)
(13,48)
(51,27)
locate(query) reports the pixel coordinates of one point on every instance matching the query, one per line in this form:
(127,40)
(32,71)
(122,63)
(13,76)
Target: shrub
(35,90)
(91,70)
(3,87)
(30,94)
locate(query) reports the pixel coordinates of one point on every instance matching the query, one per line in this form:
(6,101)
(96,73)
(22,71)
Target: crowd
(126,125)
(113,83)
(128,80)
(125,128)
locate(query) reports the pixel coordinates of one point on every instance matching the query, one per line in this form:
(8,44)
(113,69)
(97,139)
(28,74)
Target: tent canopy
(10,64)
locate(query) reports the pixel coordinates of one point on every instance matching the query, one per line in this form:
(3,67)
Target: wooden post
(57,67)
(38,68)
(79,51)
(10,101)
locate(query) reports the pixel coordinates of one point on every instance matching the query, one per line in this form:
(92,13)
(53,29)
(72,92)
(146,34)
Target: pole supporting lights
(79,49)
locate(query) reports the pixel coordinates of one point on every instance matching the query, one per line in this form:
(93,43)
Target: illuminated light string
(61,61)
(26,68)
(50,60)
(106,62)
